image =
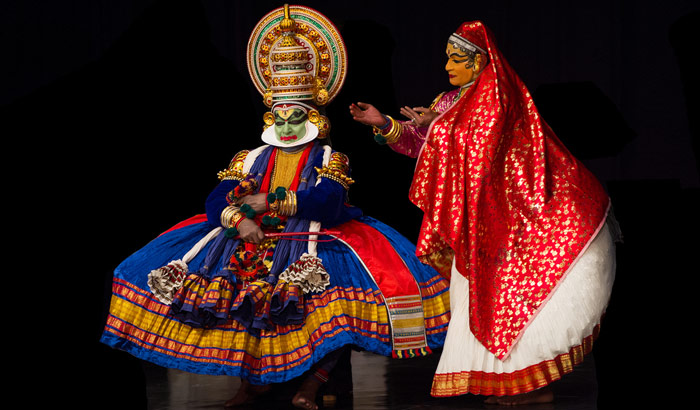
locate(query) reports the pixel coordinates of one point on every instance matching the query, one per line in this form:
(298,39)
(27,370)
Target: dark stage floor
(378,383)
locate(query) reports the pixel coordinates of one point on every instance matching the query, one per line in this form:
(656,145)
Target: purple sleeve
(411,140)
(412,137)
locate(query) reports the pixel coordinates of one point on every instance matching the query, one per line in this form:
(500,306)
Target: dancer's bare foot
(246,394)
(306,395)
(543,395)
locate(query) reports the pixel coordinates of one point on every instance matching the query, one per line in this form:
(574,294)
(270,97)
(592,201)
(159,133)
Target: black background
(116,117)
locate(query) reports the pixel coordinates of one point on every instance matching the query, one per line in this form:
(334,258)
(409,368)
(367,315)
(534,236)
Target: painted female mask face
(290,125)
(459,67)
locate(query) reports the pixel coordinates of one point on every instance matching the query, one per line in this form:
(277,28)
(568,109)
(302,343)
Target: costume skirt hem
(557,339)
(518,382)
(212,367)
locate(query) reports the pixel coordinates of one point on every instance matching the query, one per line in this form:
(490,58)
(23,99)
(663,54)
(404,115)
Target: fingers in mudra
(366,114)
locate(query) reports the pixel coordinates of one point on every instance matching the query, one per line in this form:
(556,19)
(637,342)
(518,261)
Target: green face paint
(290,125)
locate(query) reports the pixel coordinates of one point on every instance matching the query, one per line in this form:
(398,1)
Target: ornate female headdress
(467,40)
(296,54)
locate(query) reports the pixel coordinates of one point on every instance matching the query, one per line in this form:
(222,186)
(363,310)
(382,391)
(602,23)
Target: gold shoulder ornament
(235,168)
(337,170)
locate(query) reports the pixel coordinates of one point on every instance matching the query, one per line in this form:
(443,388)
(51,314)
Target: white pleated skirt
(556,340)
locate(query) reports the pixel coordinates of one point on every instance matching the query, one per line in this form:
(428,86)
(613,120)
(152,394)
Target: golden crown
(296,54)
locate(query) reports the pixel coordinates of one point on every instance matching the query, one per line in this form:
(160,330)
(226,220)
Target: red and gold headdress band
(290,105)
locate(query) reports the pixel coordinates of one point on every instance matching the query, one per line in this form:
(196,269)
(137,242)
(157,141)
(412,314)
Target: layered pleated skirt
(380,299)
(555,341)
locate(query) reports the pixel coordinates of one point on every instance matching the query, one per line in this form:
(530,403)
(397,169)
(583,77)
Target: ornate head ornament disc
(296,54)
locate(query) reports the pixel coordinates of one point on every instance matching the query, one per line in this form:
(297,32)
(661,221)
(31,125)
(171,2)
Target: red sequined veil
(504,198)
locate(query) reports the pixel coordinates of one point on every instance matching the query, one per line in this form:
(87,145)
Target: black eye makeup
(462,58)
(294,119)
(297,120)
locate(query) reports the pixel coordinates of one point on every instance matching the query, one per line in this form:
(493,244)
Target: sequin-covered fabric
(500,191)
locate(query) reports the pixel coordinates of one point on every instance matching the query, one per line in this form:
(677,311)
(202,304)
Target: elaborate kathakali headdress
(296,55)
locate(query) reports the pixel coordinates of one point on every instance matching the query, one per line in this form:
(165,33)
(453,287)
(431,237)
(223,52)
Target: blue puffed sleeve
(326,203)
(216,201)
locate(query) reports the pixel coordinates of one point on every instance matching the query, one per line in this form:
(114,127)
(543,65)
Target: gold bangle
(288,206)
(230,216)
(225,216)
(281,205)
(294,203)
(236,219)
(394,132)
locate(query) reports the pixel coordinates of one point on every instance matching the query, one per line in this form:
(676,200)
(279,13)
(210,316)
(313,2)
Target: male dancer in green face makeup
(290,125)
(282,275)
(290,130)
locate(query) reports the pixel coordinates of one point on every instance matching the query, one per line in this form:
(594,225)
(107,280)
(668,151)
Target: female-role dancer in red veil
(522,229)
